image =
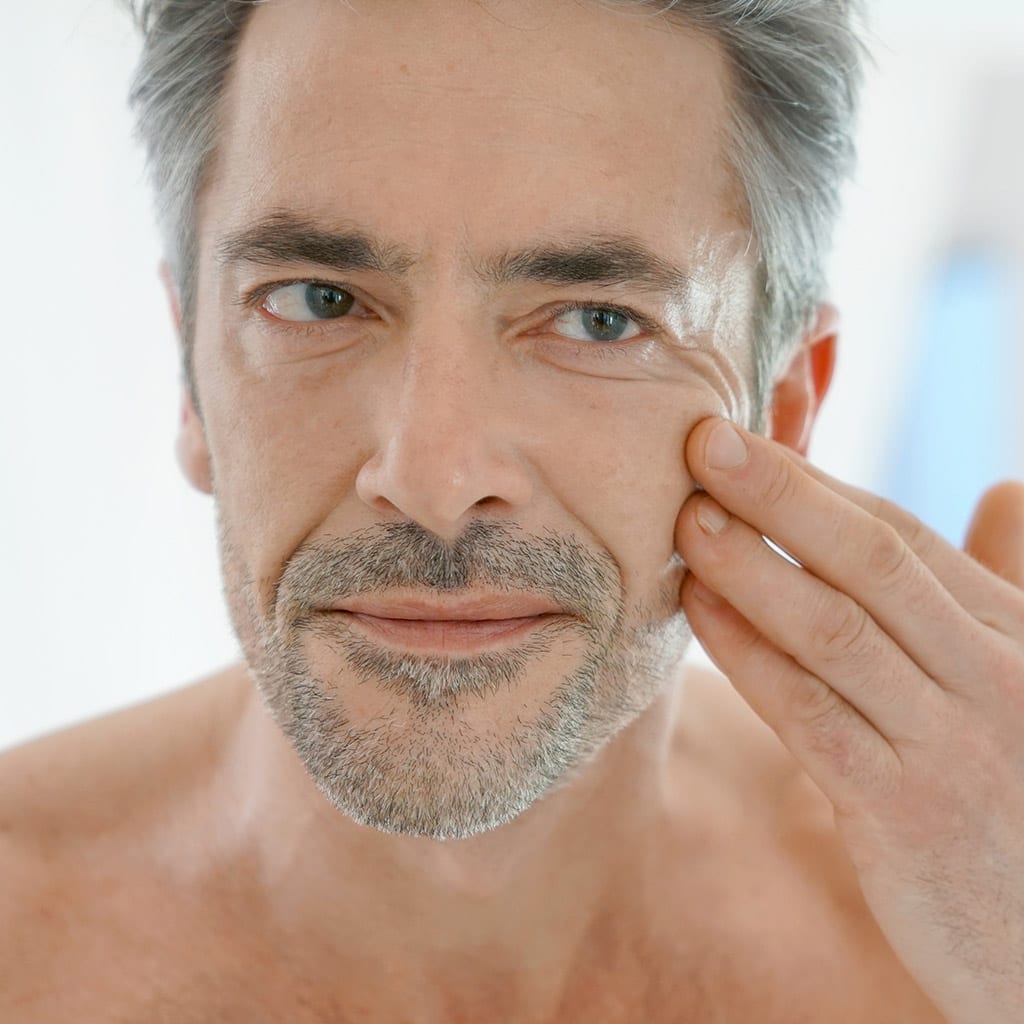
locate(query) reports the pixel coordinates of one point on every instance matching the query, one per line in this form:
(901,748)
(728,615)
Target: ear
(193,454)
(801,388)
(173,295)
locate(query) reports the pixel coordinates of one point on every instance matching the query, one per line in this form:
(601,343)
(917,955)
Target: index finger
(976,590)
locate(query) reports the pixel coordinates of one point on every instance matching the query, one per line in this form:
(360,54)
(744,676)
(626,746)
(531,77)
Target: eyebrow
(597,258)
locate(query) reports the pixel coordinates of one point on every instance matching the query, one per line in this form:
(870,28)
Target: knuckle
(915,534)
(918,536)
(842,628)
(887,558)
(889,512)
(816,705)
(780,488)
(1004,616)
(833,735)
(824,723)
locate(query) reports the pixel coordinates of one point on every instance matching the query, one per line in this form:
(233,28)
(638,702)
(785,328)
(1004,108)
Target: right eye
(307,301)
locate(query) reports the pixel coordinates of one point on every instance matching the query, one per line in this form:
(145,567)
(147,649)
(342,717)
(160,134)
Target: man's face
(444,431)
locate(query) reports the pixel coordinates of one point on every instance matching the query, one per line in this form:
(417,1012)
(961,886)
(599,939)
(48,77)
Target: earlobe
(799,392)
(192,451)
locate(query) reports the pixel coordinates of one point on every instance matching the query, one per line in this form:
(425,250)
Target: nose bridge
(443,444)
(448,374)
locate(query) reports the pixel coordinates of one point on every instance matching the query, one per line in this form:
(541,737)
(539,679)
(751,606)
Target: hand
(891,665)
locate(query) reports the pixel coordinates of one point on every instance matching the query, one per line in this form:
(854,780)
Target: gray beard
(421,769)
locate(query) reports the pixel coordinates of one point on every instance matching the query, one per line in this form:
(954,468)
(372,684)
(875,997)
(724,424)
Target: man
(469,293)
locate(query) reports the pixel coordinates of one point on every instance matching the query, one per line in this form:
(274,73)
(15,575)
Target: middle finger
(847,548)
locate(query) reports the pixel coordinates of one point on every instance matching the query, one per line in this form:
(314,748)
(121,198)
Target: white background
(111,589)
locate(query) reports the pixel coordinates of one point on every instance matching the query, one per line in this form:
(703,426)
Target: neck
(538,890)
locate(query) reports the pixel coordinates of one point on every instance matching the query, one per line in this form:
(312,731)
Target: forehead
(472,121)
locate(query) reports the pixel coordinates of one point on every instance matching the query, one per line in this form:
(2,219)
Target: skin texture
(892,665)
(551,465)
(455,406)
(576,830)
(557,471)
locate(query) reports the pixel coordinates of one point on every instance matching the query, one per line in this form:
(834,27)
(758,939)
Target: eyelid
(632,314)
(254,296)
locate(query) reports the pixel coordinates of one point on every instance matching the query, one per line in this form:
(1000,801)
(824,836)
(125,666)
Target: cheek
(606,456)
(624,475)
(281,460)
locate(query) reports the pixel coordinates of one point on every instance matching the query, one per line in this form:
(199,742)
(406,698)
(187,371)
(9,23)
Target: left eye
(306,302)
(602,323)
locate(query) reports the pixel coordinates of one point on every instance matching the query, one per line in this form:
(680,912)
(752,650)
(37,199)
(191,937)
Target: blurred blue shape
(952,438)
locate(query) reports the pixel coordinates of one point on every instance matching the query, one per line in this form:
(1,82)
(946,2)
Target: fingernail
(711,516)
(725,448)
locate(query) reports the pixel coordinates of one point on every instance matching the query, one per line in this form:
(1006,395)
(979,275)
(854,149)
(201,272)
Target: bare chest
(774,971)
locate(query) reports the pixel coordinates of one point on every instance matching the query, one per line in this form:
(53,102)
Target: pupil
(606,324)
(327,302)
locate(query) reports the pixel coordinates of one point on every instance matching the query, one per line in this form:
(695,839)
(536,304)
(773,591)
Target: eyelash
(601,350)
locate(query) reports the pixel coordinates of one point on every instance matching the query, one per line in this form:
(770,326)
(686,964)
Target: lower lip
(447,634)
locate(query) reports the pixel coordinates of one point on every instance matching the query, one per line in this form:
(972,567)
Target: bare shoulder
(96,777)
(77,810)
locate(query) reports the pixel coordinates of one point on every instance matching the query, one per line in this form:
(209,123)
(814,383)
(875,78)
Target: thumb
(996,534)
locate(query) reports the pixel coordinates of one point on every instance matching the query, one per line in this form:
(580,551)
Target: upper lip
(475,606)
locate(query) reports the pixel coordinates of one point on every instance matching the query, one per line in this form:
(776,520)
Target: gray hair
(797,73)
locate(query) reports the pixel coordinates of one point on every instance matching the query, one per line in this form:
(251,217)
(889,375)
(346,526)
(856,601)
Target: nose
(446,443)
